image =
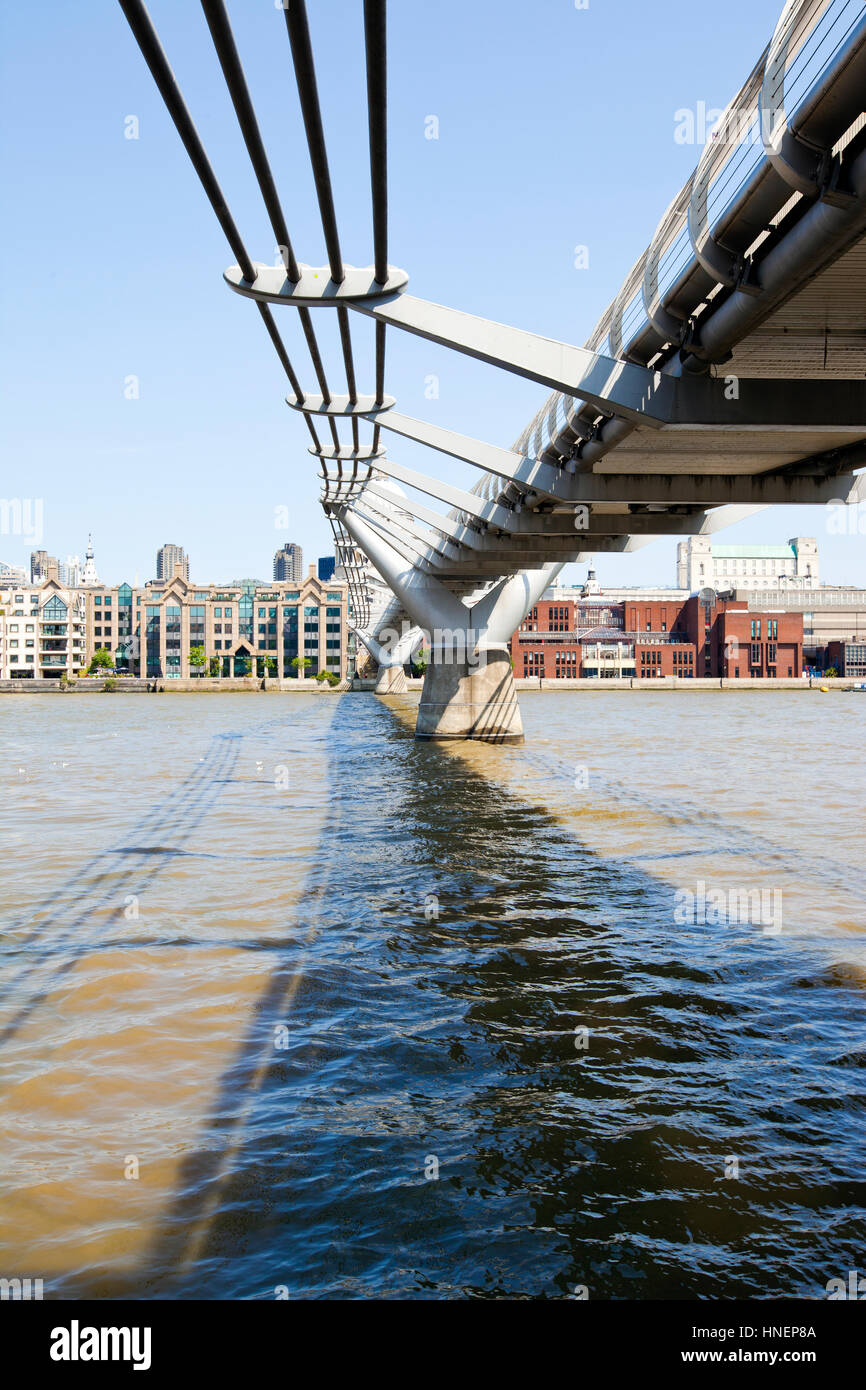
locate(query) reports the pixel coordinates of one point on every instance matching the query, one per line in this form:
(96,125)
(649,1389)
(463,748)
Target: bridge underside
(725,376)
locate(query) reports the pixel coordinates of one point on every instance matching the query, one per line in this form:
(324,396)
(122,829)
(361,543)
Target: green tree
(197,657)
(301,663)
(213,666)
(420,662)
(271,665)
(102,661)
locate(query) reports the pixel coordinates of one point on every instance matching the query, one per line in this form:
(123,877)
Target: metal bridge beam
(683,489)
(624,389)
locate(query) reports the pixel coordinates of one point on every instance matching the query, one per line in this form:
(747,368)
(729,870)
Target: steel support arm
(620,388)
(684,489)
(625,389)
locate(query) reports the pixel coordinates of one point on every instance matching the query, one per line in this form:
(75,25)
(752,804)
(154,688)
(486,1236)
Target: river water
(293,1005)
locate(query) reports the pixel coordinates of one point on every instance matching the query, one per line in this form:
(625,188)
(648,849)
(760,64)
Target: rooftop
(749,552)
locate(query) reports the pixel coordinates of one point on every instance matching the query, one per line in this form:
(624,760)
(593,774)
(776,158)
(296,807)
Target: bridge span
(726,374)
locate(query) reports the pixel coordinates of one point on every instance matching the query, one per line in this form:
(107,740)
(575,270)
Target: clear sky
(555,130)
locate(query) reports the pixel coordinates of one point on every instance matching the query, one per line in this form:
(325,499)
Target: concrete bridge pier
(468,688)
(391,680)
(463,700)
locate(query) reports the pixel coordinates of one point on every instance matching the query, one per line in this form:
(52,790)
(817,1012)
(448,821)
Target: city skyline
(28,573)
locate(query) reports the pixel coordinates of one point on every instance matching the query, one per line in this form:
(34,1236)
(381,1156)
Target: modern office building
(12,574)
(39,562)
(289,563)
(70,573)
(704,563)
(326,566)
(167,557)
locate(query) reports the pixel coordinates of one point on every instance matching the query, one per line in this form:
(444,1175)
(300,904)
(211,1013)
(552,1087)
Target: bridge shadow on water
(507,1072)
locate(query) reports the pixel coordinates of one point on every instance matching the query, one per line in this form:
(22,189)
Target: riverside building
(43,630)
(174,629)
(597,637)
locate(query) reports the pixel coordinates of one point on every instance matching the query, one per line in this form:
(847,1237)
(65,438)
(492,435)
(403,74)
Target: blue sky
(556,129)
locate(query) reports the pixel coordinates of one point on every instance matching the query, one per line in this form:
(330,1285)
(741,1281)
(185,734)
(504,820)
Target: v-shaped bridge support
(391,678)
(469,685)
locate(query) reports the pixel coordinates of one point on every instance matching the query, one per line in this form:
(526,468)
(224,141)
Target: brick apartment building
(702,635)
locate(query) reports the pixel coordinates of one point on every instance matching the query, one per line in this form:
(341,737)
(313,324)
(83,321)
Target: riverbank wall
(290,686)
